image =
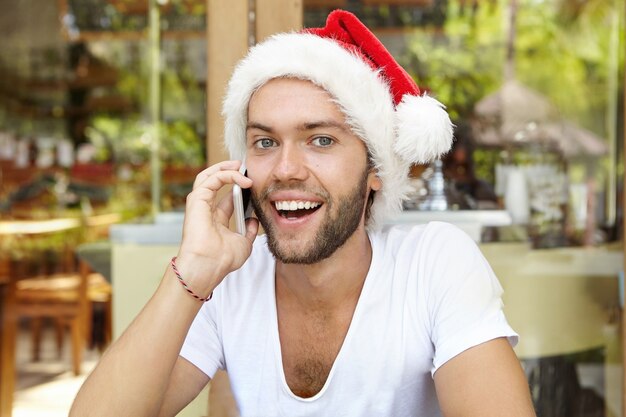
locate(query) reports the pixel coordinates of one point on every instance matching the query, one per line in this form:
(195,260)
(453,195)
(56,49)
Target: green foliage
(484,161)
(182,97)
(119,140)
(569,56)
(129,140)
(180,145)
(463,62)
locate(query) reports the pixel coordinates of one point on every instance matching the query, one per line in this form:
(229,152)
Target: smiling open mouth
(296,209)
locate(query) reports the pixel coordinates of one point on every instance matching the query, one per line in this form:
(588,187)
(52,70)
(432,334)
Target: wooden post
(227,43)
(274,16)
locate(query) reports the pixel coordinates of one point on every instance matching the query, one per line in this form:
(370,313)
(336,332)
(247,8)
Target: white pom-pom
(424,129)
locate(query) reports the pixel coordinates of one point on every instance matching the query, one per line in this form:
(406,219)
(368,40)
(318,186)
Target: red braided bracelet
(189,290)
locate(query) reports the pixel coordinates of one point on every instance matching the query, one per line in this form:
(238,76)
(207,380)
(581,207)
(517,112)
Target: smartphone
(243,206)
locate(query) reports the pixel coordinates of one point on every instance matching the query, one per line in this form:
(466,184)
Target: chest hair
(309,348)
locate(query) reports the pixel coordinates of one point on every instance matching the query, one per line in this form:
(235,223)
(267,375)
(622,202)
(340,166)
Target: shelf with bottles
(113,104)
(48,98)
(87,73)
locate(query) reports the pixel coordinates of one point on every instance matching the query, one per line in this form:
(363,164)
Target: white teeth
(295,205)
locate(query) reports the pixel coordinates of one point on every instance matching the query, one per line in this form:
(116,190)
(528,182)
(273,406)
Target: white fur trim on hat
(424,130)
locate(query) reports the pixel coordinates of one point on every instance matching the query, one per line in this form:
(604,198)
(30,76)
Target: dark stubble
(344,217)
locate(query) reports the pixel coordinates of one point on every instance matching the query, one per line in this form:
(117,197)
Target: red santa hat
(382,104)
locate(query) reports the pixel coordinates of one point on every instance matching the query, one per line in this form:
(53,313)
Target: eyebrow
(255,125)
(323,124)
(303,127)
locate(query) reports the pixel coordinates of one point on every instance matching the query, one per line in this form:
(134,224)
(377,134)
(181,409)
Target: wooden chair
(68,299)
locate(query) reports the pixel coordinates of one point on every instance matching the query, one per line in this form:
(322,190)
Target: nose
(290,164)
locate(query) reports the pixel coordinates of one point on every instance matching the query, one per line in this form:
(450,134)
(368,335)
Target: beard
(342,220)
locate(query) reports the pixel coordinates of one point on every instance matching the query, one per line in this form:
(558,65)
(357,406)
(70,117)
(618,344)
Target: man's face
(310,172)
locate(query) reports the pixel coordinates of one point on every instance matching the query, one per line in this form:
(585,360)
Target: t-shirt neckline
(369,278)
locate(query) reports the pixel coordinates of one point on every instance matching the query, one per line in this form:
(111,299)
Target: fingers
(224,211)
(221,178)
(207,184)
(206,229)
(213,169)
(252,228)
(225,208)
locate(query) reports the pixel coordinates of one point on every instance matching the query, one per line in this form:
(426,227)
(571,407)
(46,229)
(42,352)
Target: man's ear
(374,182)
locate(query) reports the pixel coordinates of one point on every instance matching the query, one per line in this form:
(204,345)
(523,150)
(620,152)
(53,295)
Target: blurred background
(109,108)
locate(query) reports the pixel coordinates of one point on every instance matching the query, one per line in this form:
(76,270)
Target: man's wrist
(186,286)
(197,273)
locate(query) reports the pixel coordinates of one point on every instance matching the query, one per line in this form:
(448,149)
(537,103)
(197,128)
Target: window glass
(76,106)
(535,89)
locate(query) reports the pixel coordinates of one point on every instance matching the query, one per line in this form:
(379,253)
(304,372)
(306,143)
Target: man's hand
(135,379)
(209,249)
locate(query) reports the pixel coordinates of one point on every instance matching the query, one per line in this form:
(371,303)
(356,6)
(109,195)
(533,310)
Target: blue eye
(265,143)
(323,141)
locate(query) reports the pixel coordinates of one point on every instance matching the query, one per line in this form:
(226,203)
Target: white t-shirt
(428,296)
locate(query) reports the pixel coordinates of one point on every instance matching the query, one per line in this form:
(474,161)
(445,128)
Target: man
(325,315)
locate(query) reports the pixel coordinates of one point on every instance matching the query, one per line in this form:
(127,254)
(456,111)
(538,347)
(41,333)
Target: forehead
(292,97)
(289,83)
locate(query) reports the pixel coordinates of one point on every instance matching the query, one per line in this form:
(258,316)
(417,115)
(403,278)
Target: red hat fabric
(346,28)
(381,102)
